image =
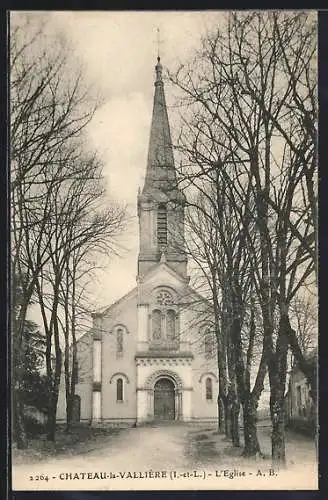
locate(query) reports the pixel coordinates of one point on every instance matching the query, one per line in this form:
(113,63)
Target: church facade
(151,356)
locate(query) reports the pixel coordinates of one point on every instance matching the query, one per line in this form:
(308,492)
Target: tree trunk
(250,401)
(51,420)
(277,377)
(19,425)
(222,366)
(228,421)
(221,413)
(19,349)
(74,368)
(52,414)
(222,399)
(278,429)
(235,424)
(67,385)
(53,399)
(233,413)
(69,410)
(252,447)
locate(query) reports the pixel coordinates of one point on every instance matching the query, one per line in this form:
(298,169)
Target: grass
(201,447)
(200,437)
(81,439)
(206,446)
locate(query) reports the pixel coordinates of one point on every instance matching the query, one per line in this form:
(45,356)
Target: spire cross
(159,41)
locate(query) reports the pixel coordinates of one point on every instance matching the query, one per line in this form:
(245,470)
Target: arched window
(208,389)
(119,389)
(162,224)
(119,341)
(164,324)
(156,324)
(170,324)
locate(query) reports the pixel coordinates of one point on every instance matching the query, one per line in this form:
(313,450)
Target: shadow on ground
(201,447)
(204,446)
(81,439)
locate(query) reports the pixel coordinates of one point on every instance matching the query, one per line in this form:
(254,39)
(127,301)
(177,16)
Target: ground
(186,456)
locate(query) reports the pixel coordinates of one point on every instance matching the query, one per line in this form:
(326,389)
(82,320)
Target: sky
(118,51)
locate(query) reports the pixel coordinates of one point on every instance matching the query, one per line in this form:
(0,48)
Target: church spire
(161,203)
(160,171)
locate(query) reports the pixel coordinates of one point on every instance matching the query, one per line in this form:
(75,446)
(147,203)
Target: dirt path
(138,449)
(125,459)
(154,448)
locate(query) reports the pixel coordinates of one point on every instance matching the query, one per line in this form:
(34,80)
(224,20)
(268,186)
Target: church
(151,356)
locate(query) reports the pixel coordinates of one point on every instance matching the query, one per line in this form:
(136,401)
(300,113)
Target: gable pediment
(119,303)
(163,274)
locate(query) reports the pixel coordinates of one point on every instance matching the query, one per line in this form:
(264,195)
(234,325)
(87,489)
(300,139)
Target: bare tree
(202,246)
(80,223)
(50,108)
(250,115)
(218,233)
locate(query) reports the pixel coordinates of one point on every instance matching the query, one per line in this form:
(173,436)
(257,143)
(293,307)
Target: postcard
(164,250)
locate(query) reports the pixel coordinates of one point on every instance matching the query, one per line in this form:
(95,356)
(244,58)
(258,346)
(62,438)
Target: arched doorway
(164,399)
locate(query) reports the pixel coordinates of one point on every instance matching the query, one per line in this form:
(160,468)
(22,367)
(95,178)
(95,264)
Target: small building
(300,410)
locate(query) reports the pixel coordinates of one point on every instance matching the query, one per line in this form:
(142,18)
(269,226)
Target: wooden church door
(164,400)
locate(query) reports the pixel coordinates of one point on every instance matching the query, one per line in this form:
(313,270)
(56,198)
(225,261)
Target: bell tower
(160,202)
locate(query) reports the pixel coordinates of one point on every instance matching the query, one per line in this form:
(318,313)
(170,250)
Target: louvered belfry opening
(162,224)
